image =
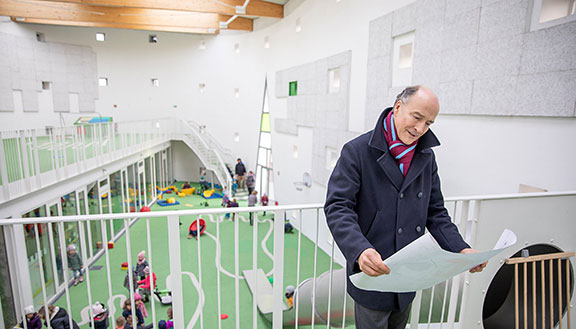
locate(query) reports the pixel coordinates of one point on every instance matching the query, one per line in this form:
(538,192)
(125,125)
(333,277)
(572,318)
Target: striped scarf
(401,152)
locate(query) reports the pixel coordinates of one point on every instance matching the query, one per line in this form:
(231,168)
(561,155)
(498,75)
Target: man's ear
(397,106)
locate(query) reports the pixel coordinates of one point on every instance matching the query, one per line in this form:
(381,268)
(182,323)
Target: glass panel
(56,236)
(94,209)
(293,91)
(132,196)
(149,183)
(8,301)
(30,231)
(158,176)
(262,157)
(265,140)
(116,199)
(265,126)
(554,9)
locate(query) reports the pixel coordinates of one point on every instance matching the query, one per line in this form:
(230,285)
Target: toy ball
(124,266)
(171,200)
(145,209)
(223,316)
(110,244)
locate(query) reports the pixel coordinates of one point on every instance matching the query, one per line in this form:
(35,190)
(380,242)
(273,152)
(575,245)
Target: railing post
(278,289)
(176,271)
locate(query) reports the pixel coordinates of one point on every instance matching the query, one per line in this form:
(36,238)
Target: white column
(278,288)
(176,271)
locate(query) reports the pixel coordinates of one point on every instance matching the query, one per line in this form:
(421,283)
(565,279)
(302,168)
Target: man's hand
(371,263)
(477,268)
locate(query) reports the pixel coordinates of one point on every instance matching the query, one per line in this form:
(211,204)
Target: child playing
(290,295)
(145,285)
(234,187)
(100,316)
(120,322)
(33,321)
(264,202)
(75,264)
(140,305)
(169,322)
(141,265)
(233,204)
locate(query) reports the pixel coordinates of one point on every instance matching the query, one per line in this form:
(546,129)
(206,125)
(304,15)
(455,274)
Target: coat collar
(389,164)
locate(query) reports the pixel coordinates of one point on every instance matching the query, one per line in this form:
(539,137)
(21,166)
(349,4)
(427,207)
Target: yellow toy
(181,194)
(188,191)
(171,200)
(160,197)
(208,193)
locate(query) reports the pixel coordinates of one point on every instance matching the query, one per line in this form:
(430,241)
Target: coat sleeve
(439,222)
(341,199)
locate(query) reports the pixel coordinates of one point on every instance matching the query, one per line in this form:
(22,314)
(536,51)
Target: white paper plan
(423,264)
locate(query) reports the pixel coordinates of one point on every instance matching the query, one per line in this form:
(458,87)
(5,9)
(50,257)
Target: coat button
(400,230)
(418,229)
(401,195)
(419,197)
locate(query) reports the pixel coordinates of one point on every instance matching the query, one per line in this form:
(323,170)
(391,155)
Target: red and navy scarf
(401,152)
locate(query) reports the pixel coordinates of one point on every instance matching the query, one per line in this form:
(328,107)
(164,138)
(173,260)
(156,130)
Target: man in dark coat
(384,191)
(240,173)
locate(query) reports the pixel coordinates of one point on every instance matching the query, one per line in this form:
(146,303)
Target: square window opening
(102,82)
(293,91)
(100,36)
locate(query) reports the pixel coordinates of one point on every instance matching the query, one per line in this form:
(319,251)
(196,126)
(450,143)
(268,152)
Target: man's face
(413,118)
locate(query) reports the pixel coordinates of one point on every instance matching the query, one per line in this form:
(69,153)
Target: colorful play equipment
(171,200)
(181,194)
(164,203)
(110,244)
(124,266)
(145,209)
(193,228)
(211,194)
(188,191)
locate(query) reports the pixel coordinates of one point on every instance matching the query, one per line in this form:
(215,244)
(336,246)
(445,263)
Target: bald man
(383,193)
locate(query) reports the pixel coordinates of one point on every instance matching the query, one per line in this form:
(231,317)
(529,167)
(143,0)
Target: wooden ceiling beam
(70,12)
(117,26)
(255,8)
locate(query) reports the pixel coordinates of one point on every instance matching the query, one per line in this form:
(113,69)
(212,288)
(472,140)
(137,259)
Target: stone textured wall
(479,56)
(26,62)
(313,106)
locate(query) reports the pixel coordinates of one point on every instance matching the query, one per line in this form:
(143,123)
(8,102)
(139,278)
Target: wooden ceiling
(187,16)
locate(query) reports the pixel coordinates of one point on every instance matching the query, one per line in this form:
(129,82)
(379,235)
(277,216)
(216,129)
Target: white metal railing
(32,159)
(226,154)
(458,297)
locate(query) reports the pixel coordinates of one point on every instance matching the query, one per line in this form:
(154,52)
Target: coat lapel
(391,169)
(385,161)
(419,161)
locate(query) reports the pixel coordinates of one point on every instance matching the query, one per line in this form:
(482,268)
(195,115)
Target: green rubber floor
(100,290)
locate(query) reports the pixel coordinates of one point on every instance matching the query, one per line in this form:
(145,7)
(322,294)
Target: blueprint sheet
(423,264)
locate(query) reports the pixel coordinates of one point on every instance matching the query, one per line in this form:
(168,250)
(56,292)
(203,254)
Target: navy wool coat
(370,204)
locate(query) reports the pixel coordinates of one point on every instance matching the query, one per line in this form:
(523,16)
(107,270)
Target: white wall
(186,163)
(479,154)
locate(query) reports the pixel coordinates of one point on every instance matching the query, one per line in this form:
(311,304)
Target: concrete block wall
(27,62)
(314,107)
(479,56)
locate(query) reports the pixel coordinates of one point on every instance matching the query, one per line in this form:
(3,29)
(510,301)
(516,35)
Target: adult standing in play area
(240,173)
(383,193)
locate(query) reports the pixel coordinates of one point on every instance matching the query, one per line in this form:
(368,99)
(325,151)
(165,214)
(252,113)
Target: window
(331,158)
(46,85)
(102,82)
(237,92)
(266,42)
(153,38)
(402,57)
(155,82)
(100,36)
(40,37)
(237,48)
(202,87)
(547,13)
(236,137)
(293,91)
(334,80)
